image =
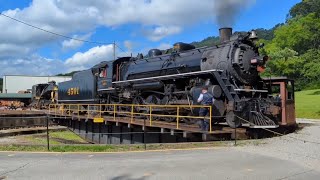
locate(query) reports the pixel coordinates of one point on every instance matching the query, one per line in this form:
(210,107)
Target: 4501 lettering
(73,91)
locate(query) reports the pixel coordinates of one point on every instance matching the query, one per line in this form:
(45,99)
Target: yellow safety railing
(131,110)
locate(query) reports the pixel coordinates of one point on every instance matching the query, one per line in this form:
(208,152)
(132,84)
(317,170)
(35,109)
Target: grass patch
(14,147)
(308,104)
(112,148)
(39,139)
(55,137)
(66,135)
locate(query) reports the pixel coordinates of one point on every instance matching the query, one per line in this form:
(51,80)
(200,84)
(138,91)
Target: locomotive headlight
(259,63)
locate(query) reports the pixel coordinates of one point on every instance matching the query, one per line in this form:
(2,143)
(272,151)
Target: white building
(16,83)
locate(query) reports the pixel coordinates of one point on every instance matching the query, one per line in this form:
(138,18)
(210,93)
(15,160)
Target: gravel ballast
(301,147)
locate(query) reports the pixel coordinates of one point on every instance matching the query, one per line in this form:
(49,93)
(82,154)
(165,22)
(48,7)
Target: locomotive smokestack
(225,34)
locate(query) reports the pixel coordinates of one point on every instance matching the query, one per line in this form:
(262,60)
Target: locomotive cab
(103,73)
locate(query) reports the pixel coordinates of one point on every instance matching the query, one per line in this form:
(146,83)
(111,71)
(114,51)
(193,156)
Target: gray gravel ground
(301,147)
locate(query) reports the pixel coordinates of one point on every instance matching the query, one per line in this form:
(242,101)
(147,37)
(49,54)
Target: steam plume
(227,10)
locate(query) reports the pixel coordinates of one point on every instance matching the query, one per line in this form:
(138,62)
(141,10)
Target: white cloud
(69,17)
(35,65)
(164,46)
(156,18)
(160,32)
(129,45)
(89,58)
(73,44)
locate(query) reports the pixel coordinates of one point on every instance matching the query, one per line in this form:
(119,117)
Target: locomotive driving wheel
(232,120)
(165,100)
(189,120)
(153,100)
(138,100)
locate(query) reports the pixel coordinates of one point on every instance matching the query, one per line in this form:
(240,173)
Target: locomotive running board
(168,76)
(251,90)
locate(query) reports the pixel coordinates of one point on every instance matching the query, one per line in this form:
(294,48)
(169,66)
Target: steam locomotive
(230,70)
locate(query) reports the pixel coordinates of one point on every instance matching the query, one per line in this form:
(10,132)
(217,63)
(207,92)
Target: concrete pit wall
(123,133)
(12,122)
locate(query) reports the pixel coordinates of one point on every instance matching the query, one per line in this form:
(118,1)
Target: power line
(128,53)
(119,47)
(61,35)
(54,33)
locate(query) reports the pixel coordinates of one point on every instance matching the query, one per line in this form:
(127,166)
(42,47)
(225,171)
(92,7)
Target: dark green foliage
(266,34)
(304,8)
(295,48)
(299,34)
(209,41)
(68,74)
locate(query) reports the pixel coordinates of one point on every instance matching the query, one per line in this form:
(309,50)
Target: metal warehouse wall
(15,83)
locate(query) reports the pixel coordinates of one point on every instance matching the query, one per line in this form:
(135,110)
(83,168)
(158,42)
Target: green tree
(284,62)
(304,8)
(299,34)
(311,68)
(68,74)
(209,41)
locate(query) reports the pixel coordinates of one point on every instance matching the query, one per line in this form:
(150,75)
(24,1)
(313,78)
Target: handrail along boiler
(230,70)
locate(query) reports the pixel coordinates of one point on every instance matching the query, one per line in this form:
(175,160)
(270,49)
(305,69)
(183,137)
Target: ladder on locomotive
(226,85)
(231,91)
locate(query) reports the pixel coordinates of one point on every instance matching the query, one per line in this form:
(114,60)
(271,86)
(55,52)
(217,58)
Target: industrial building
(16,83)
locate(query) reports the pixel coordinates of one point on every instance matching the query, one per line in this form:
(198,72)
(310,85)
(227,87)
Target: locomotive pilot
(205,99)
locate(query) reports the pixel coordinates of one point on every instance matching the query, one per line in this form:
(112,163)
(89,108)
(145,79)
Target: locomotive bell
(253,35)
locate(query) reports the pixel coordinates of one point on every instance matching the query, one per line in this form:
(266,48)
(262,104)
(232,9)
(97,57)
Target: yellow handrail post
(78,112)
(88,111)
(69,109)
(63,112)
(177,117)
(114,112)
(150,114)
(131,113)
(55,110)
(210,123)
(100,110)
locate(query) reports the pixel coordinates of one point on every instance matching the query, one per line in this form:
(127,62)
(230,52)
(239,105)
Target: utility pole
(114,50)
(48,145)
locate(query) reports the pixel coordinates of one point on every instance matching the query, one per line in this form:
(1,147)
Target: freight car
(231,71)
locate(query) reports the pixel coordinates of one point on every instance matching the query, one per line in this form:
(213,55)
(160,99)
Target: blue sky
(132,33)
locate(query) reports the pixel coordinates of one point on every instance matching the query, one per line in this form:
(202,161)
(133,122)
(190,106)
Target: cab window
(103,72)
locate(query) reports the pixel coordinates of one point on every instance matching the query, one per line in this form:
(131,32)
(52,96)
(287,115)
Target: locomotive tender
(230,70)
(44,94)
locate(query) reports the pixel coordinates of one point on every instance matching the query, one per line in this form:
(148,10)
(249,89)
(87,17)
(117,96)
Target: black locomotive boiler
(230,70)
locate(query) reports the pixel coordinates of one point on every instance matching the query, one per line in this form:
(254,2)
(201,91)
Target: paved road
(217,163)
